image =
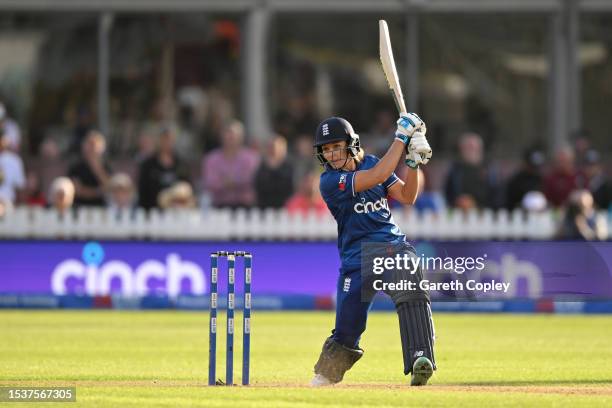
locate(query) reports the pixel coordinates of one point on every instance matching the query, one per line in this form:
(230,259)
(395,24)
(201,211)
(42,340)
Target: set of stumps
(231,302)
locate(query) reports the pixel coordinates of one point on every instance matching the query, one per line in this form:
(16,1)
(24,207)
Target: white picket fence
(269,224)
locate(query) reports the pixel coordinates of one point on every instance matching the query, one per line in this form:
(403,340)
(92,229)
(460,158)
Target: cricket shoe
(422,370)
(320,381)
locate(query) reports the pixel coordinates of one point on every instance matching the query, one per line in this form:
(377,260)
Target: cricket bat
(388,65)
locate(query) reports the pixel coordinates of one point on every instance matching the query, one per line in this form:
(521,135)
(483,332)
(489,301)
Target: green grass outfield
(151,359)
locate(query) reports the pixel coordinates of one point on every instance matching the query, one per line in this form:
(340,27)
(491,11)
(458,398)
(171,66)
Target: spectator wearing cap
(12,175)
(528,178)
(562,179)
(161,170)
(91,172)
(228,172)
(11,129)
(274,177)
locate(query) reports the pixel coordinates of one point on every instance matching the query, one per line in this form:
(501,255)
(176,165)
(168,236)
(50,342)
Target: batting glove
(418,150)
(407,124)
(413,159)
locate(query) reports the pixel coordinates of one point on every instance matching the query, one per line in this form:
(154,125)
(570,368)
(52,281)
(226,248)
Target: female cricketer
(355,187)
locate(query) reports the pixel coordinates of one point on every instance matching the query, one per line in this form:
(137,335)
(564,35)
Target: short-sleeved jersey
(361,217)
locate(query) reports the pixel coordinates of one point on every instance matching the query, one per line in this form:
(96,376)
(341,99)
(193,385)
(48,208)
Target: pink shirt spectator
(229,179)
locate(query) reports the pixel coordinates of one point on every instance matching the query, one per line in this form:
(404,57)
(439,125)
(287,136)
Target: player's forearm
(367,179)
(386,166)
(410,189)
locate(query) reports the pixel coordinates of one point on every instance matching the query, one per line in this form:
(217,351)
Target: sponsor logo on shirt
(342,182)
(366,207)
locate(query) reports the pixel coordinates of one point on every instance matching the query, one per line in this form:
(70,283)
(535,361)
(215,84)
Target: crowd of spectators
(234,174)
(239,173)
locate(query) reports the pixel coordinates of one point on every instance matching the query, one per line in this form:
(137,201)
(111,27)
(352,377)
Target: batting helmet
(336,129)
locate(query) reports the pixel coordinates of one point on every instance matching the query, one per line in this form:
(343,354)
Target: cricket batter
(355,187)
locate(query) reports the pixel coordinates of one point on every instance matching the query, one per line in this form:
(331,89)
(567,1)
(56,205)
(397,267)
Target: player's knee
(336,359)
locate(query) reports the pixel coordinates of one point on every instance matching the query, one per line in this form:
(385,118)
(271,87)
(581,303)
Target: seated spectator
(528,178)
(11,129)
(307,198)
(91,172)
(61,195)
(120,193)
(274,177)
(12,177)
(562,179)
(161,170)
(33,195)
(594,179)
(581,221)
(228,172)
(469,183)
(179,195)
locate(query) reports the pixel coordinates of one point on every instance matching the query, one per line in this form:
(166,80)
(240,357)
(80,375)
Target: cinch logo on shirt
(368,207)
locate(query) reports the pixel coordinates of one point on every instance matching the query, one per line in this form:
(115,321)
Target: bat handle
(399,103)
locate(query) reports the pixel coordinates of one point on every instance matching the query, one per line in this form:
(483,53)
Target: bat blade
(388,65)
